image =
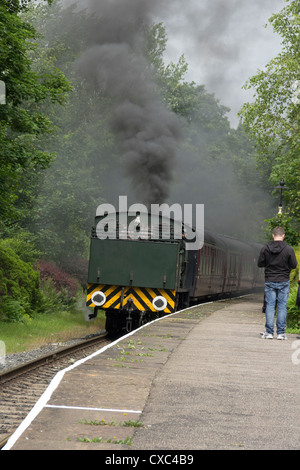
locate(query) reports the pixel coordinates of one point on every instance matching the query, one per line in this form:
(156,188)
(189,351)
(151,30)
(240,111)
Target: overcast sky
(224,43)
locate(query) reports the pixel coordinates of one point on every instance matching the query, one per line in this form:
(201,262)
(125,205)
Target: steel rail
(48,358)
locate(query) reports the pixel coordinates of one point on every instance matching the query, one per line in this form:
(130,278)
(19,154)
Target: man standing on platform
(278,259)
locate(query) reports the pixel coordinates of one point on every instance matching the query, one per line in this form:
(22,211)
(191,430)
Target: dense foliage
(19,286)
(273,119)
(293,317)
(22,120)
(29,87)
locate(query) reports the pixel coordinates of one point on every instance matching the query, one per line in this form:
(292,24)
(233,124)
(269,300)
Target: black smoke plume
(114,63)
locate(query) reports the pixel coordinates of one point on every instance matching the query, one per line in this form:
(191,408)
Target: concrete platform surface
(200,379)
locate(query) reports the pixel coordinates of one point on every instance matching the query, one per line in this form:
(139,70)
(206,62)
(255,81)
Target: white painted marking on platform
(91,409)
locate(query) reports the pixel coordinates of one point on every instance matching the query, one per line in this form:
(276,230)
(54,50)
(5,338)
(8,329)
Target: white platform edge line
(65,407)
(45,397)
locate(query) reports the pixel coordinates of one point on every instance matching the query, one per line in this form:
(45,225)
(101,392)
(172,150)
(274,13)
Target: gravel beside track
(14,360)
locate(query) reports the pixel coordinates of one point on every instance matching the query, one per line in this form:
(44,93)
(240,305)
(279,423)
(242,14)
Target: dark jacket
(278,259)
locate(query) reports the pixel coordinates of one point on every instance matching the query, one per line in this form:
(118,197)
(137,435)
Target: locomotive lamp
(159,303)
(98,298)
(281,188)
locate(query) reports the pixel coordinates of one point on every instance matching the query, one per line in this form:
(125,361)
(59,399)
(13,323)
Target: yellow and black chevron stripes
(142,297)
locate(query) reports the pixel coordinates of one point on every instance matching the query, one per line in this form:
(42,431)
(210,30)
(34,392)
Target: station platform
(200,379)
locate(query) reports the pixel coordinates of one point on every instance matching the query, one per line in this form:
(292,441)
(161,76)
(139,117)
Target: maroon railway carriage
(226,265)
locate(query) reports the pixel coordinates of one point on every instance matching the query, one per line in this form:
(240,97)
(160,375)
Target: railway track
(22,386)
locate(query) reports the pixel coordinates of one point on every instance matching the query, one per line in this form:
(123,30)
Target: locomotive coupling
(129,308)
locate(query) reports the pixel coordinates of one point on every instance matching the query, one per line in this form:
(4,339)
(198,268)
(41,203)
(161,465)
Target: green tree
(22,120)
(65,196)
(273,119)
(292,236)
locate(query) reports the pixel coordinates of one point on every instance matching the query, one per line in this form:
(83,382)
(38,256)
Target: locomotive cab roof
(144,226)
(140,226)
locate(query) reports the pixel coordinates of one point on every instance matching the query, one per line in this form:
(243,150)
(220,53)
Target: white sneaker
(282,336)
(266,335)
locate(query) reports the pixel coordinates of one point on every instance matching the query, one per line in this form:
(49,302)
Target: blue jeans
(276,292)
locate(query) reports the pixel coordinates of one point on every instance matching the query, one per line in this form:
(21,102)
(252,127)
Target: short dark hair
(278,232)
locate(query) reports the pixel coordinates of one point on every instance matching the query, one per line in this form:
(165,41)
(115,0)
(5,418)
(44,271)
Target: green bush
(295,272)
(13,311)
(24,245)
(53,300)
(20,293)
(293,312)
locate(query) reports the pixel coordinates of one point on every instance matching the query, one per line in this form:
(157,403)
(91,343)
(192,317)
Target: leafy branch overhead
(273,118)
(22,120)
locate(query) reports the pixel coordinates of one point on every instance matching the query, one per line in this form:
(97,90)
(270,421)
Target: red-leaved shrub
(77,268)
(60,279)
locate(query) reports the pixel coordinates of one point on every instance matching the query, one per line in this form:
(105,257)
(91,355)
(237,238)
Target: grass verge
(45,329)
